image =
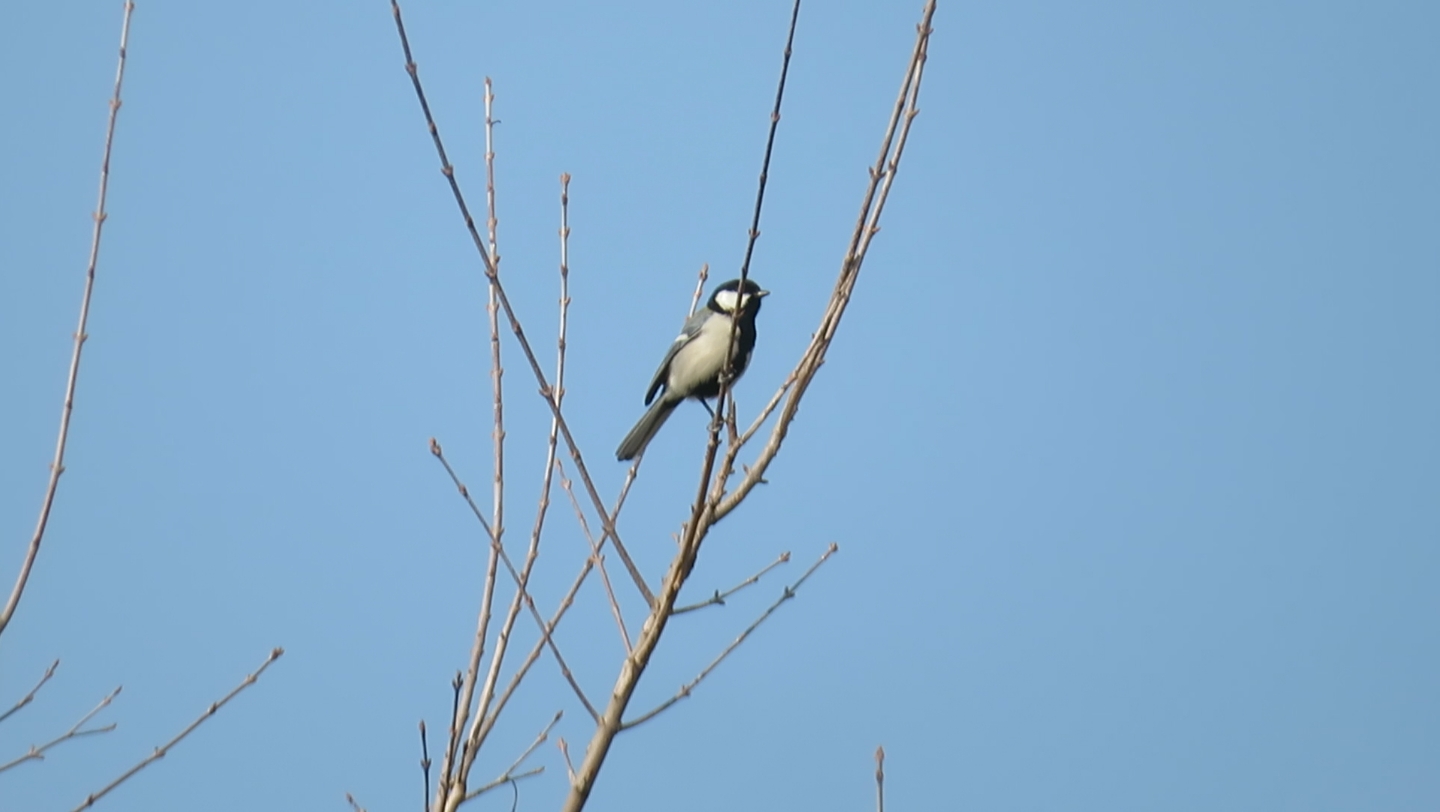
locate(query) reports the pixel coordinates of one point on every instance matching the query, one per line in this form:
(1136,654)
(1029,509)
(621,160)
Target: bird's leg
(708,409)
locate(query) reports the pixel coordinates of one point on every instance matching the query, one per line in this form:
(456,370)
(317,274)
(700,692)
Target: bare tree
(478,696)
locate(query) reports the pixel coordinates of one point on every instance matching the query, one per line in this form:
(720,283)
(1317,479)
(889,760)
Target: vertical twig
(57,466)
(497,657)
(699,288)
(880,779)
(425,764)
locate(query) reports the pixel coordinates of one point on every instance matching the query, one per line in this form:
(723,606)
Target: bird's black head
(727,297)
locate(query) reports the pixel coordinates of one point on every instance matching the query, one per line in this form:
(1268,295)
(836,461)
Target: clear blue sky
(1129,441)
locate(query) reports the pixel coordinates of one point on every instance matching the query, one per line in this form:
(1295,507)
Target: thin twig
(515,679)
(163,749)
(726,382)
(867,225)
(425,764)
(699,288)
(547,392)
(57,466)
(30,697)
(38,753)
(540,739)
(599,559)
(354,804)
(688,687)
(565,752)
(452,743)
(510,774)
(719,597)
(484,719)
(502,639)
(880,779)
(508,779)
(450,776)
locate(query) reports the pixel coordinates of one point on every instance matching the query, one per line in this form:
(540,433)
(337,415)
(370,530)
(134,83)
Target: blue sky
(1128,441)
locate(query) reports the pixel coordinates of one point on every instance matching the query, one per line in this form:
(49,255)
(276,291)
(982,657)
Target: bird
(691,369)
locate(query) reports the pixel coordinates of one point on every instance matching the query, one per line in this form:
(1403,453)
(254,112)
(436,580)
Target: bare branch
(549,629)
(30,697)
(425,763)
(510,774)
(695,529)
(880,779)
(719,597)
(699,288)
(465,686)
(882,175)
(57,466)
(502,640)
(734,644)
(163,749)
(508,779)
(565,752)
(599,559)
(75,732)
(730,349)
(354,804)
(547,392)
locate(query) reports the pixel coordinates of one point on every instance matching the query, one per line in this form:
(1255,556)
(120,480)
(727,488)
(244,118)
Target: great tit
(691,368)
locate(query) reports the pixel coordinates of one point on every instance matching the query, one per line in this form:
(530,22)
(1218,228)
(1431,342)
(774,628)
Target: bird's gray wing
(687,334)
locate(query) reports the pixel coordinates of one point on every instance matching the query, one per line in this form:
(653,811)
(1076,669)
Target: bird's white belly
(699,361)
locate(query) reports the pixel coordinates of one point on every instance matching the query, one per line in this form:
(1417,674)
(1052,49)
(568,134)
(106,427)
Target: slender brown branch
(515,679)
(565,752)
(484,719)
(882,175)
(599,559)
(547,638)
(510,774)
(699,288)
(719,597)
(497,372)
(450,776)
(57,465)
(754,235)
(30,697)
(163,749)
(354,804)
(507,779)
(425,764)
(547,392)
(502,640)
(559,388)
(880,779)
(38,753)
(690,686)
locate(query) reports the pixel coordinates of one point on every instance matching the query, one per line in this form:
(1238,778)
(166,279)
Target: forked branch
(690,686)
(77,730)
(162,750)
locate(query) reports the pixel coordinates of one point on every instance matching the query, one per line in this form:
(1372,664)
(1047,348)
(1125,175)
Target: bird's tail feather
(645,429)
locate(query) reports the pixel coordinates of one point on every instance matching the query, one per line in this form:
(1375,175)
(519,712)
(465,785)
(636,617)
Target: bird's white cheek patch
(727,300)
